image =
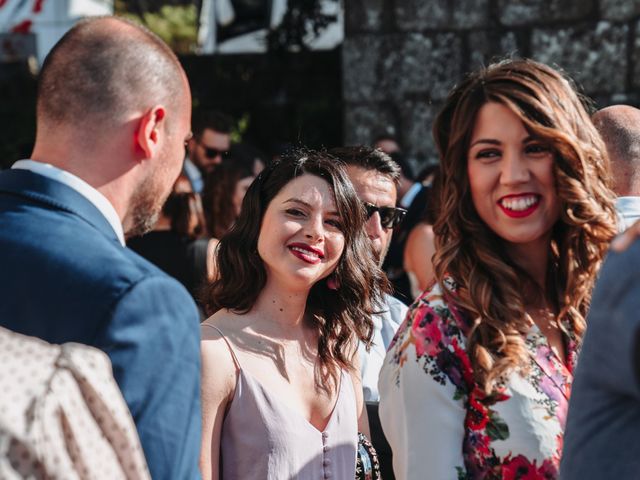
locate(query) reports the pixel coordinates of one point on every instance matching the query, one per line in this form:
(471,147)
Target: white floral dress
(441,425)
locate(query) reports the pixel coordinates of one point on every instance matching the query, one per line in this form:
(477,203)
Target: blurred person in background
(619,126)
(211,140)
(477,382)
(248,154)
(419,247)
(408,189)
(388,143)
(223,193)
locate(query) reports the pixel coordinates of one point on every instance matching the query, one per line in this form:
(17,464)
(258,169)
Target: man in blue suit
(113,115)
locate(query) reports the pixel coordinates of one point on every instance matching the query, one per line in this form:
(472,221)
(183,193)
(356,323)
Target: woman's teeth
(519,204)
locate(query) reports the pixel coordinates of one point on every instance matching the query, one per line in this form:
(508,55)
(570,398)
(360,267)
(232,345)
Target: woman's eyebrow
(490,141)
(297,200)
(308,205)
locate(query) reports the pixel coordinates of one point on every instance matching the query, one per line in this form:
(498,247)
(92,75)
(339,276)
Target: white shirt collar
(194,175)
(410,195)
(628,209)
(80,186)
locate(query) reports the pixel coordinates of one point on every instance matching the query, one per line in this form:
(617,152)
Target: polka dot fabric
(62,415)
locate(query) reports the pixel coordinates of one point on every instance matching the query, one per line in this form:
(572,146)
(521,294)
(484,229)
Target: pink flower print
(550,364)
(519,468)
(427,333)
(467,369)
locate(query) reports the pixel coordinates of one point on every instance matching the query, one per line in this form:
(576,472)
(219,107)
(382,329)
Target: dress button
(326,462)
(325,449)
(325,434)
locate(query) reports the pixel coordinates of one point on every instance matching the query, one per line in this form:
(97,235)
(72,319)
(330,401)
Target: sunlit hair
(342,316)
(490,283)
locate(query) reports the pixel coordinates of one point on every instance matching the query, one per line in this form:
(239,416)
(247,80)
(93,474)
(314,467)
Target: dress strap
(233,354)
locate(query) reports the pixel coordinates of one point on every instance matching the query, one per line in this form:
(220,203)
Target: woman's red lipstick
(512,213)
(306,252)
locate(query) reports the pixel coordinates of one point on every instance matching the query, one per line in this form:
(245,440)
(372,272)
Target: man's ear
(150,128)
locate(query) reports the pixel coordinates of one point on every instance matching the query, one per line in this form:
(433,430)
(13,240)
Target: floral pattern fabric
(441,425)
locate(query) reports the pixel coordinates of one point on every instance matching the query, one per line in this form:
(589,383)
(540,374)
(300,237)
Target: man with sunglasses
(375,177)
(211,140)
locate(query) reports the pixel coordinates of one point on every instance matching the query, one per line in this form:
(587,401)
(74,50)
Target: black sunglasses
(390,217)
(212,152)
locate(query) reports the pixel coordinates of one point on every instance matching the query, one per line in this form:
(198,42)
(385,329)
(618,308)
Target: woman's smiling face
(511,177)
(301,238)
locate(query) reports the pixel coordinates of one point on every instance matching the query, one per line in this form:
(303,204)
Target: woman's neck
(533,258)
(280,306)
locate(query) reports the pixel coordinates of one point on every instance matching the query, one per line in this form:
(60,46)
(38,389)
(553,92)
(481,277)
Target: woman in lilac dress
(281,391)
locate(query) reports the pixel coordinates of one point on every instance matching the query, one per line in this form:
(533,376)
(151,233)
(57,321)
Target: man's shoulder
(619,274)
(60,248)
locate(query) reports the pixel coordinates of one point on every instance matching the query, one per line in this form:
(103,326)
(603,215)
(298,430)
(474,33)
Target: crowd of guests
(302,358)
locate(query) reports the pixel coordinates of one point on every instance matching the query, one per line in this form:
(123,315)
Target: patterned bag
(367,465)
(62,415)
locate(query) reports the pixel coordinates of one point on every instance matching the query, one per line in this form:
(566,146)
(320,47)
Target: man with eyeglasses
(375,178)
(211,140)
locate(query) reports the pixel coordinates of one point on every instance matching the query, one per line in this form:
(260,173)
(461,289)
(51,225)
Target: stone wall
(401,57)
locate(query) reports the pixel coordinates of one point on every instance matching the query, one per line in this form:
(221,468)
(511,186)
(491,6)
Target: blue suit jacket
(65,277)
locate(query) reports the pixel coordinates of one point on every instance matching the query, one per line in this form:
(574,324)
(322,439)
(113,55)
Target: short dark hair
(212,120)
(340,316)
(368,158)
(102,69)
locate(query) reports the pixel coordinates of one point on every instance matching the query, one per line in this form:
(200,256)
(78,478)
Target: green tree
(177,25)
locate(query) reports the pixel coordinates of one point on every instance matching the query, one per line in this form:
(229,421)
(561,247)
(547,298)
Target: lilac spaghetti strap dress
(262,438)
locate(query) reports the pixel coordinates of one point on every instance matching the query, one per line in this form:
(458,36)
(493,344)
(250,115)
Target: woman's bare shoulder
(216,352)
(218,324)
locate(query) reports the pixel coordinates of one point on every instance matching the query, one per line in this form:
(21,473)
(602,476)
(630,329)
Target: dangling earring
(332,282)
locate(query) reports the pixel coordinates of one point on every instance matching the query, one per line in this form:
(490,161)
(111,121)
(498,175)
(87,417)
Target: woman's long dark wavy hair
(342,316)
(490,283)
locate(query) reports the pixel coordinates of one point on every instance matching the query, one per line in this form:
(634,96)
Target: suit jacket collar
(51,193)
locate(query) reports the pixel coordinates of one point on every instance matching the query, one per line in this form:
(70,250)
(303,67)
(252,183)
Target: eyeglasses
(390,217)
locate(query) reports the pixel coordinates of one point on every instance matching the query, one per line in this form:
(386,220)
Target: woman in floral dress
(477,381)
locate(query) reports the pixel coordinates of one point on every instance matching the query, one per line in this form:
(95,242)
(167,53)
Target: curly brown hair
(340,316)
(490,283)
